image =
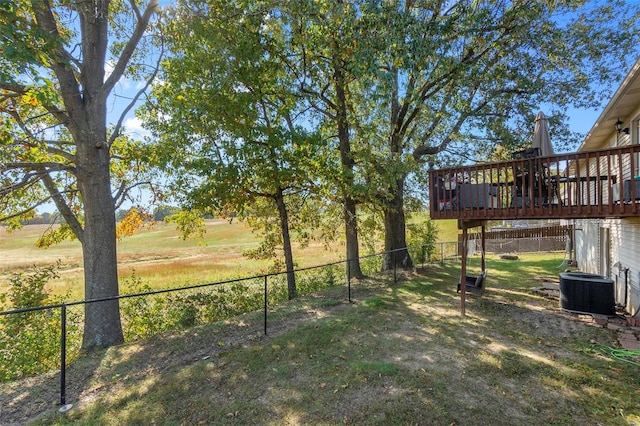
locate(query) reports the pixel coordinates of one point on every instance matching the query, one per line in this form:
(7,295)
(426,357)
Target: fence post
(442,253)
(349,279)
(265,305)
(422,256)
(393,259)
(63,354)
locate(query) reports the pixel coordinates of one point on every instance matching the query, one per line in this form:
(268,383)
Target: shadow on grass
(400,354)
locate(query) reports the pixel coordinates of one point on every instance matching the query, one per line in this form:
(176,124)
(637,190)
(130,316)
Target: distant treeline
(159,213)
(44,219)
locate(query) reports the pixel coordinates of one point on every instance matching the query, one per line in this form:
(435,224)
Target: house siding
(587,245)
(624,234)
(629,257)
(624,251)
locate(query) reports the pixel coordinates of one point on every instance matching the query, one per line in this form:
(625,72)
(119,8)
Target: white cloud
(134,127)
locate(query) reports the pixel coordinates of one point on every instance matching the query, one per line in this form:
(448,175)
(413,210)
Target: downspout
(626,284)
(572,252)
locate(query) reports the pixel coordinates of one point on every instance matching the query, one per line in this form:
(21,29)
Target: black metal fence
(450,251)
(209,302)
(526,245)
(446,251)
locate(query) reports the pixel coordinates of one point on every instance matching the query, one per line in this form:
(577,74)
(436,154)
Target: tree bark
(81,82)
(395,240)
(351,231)
(88,125)
(286,244)
(102,319)
(350,216)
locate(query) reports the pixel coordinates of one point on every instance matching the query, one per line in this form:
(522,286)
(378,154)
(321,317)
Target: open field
(400,354)
(159,256)
(156,254)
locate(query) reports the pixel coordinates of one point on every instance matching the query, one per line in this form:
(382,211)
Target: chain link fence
(37,339)
(145,312)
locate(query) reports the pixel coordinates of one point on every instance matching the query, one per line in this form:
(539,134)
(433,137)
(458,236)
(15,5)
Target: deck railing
(589,184)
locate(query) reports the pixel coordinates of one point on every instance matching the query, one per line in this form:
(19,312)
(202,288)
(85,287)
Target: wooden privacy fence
(522,240)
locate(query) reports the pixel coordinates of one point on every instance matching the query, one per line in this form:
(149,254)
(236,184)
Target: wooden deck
(590,184)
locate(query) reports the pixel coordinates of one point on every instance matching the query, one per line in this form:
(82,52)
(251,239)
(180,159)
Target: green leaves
(189,222)
(335,100)
(227,114)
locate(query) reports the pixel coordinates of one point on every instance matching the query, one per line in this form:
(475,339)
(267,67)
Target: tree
(54,140)
(163,211)
(316,53)
(228,125)
(453,80)
(322,56)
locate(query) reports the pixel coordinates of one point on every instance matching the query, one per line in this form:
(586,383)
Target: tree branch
(118,127)
(66,76)
(129,49)
(63,207)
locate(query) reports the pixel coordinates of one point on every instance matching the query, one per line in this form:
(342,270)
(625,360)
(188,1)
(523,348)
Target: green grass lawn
(447,230)
(400,354)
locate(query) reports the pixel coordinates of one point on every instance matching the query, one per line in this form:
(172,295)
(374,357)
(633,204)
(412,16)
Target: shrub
(422,238)
(142,316)
(147,315)
(30,341)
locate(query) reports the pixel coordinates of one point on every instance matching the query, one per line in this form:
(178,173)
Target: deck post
(483,246)
(463,273)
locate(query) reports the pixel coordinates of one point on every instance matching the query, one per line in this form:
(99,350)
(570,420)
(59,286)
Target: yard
(400,354)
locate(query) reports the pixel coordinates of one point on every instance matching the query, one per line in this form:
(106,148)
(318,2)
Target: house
(596,188)
(610,246)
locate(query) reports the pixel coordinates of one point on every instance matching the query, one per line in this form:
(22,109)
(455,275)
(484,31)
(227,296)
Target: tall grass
(29,342)
(156,254)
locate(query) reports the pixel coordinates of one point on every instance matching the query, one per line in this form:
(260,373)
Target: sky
(123,92)
(582,120)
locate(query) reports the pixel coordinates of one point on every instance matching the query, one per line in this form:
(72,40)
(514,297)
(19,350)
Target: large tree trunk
(351,230)
(350,217)
(102,319)
(286,244)
(395,240)
(84,89)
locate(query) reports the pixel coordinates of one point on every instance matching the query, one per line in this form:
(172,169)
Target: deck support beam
(465,225)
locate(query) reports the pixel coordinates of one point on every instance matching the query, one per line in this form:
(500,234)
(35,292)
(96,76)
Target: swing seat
(474,284)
